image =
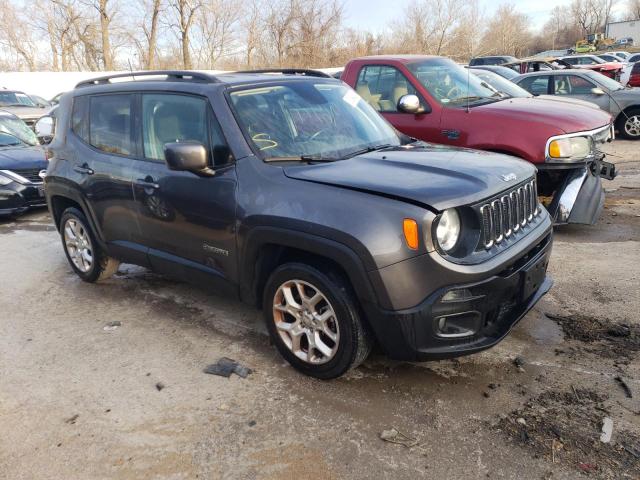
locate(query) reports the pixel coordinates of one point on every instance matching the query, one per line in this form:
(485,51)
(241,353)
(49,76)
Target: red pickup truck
(435,100)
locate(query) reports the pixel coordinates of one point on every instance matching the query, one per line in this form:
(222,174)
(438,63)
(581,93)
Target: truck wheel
(313,319)
(85,256)
(628,124)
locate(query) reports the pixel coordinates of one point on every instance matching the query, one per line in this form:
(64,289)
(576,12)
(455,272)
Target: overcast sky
(374,15)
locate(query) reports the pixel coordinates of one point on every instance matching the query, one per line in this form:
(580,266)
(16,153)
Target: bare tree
(507,32)
(215,31)
(251,26)
(16,36)
(184,15)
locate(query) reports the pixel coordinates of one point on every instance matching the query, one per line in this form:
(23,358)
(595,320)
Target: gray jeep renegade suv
(287,190)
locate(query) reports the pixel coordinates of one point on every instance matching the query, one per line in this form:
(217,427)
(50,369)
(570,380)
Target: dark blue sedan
(22,167)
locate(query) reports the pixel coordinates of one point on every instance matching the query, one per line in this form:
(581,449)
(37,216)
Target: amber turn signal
(410,228)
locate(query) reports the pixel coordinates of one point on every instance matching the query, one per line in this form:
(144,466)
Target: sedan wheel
(306,321)
(632,126)
(78,245)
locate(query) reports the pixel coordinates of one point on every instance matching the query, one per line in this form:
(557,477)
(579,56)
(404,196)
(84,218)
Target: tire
(628,124)
(351,342)
(84,254)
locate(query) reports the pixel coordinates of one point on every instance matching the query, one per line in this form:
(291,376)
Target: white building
(618,30)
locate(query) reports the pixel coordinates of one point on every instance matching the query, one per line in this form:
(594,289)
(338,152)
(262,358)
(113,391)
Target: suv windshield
(298,119)
(15,99)
(450,84)
(14,131)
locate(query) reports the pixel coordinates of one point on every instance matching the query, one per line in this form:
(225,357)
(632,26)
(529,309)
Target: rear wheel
(628,124)
(313,319)
(84,254)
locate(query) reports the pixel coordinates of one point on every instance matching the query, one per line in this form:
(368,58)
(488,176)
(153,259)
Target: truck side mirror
(410,104)
(45,129)
(188,157)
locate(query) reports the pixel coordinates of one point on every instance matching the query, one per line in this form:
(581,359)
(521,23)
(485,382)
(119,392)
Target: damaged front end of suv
(570,180)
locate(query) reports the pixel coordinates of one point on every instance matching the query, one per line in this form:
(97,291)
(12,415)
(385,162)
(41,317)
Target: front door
(576,86)
(186,220)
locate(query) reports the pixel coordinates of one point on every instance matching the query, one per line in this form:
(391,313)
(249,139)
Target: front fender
(353,261)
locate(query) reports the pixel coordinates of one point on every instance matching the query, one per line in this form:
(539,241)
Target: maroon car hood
(566,117)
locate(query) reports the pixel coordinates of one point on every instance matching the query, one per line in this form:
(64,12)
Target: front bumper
(17,198)
(496,304)
(579,196)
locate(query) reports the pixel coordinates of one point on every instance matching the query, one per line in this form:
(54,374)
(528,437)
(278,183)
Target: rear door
(103,147)
(382,86)
(187,221)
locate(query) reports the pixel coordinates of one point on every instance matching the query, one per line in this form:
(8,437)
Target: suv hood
(434,176)
(569,117)
(19,158)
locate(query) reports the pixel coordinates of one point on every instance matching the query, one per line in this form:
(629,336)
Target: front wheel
(85,256)
(313,318)
(628,124)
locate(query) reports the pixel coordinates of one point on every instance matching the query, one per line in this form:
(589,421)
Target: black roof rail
(290,71)
(170,74)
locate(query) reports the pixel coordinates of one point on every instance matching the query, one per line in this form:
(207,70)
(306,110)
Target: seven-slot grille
(31,174)
(505,215)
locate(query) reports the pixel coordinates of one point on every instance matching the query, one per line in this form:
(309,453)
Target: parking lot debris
(225,367)
(72,420)
(112,326)
(160,386)
(395,436)
(624,386)
(607,430)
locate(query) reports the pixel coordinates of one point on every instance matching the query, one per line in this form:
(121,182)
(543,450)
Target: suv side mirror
(189,157)
(597,91)
(45,129)
(410,104)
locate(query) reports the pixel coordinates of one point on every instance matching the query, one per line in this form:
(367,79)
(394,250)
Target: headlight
(448,229)
(4,180)
(572,148)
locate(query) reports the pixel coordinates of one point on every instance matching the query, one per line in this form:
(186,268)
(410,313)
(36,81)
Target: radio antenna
(131,69)
(468,80)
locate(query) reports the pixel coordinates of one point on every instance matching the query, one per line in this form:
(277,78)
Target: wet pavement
(78,400)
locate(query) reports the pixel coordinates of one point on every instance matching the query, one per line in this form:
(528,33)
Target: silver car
(622,103)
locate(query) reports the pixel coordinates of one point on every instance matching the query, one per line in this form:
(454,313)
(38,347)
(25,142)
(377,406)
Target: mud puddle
(616,340)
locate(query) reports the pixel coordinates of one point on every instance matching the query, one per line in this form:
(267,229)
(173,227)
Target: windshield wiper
(367,150)
(300,158)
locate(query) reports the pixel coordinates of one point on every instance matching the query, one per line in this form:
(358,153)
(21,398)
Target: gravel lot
(78,401)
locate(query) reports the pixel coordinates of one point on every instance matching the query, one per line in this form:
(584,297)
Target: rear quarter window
(80,118)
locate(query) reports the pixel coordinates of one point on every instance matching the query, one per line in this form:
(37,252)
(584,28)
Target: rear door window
(537,85)
(110,127)
(80,118)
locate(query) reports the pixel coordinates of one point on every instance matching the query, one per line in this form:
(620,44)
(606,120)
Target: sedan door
(186,220)
(577,86)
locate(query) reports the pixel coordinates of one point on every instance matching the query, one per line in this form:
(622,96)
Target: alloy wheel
(306,321)
(632,126)
(78,244)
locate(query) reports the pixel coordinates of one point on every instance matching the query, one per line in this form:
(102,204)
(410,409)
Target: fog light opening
(459,325)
